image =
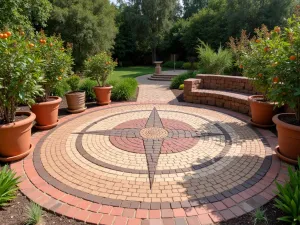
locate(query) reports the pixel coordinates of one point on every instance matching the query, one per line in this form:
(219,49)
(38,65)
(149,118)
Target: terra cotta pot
(262,112)
(103,95)
(76,101)
(288,139)
(15,138)
(46,113)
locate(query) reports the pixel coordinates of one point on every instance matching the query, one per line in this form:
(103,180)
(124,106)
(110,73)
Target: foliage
(73,81)
(254,57)
(181,87)
(124,89)
(34,214)
(8,185)
(20,73)
(61,88)
(58,61)
(88,24)
(289,197)
(191,66)
(178,80)
(285,55)
(24,13)
(214,62)
(259,216)
(193,6)
(170,64)
(88,85)
(99,67)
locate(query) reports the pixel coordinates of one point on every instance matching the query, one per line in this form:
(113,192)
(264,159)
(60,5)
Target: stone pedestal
(158,67)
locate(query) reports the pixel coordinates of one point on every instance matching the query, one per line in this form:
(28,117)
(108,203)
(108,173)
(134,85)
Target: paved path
(156,91)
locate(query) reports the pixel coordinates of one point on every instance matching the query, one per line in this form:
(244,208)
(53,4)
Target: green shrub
(191,66)
(8,185)
(214,62)
(61,88)
(73,82)
(181,86)
(87,85)
(34,214)
(178,80)
(289,197)
(170,64)
(124,89)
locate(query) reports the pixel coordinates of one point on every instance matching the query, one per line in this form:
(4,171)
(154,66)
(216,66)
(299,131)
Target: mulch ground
(15,212)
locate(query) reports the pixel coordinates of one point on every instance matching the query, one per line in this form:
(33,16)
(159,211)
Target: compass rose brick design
(153,134)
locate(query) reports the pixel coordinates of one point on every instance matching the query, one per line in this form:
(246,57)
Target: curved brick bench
(223,91)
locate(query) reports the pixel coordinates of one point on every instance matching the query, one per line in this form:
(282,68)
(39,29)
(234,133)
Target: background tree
(24,13)
(88,24)
(191,7)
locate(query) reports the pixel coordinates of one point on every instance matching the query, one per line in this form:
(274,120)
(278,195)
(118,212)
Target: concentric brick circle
(143,156)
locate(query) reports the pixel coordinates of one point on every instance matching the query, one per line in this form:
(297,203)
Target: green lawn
(131,72)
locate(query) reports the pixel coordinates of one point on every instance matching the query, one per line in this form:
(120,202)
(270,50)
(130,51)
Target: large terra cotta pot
(288,139)
(15,138)
(262,112)
(46,113)
(103,95)
(76,101)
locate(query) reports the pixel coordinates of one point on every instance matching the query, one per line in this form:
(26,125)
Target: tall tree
(88,24)
(155,19)
(191,7)
(24,13)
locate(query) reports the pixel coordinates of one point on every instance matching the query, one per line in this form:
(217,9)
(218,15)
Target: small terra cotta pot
(103,95)
(46,113)
(76,101)
(288,139)
(15,138)
(262,112)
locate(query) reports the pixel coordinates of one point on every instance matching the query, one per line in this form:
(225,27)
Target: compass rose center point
(154,133)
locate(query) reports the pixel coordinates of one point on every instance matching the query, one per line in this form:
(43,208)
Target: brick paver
(219,169)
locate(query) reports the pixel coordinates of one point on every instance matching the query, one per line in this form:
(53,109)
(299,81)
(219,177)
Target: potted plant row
(98,68)
(30,68)
(272,61)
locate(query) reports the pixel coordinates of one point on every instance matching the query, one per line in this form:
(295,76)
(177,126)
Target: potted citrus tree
(98,68)
(58,64)
(254,58)
(286,89)
(20,78)
(75,98)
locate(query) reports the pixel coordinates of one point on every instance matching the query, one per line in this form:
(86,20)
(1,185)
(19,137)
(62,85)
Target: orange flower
(293,57)
(31,45)
(8,33)
(277,29)
(51,44)
(257,41)
(275,79)
(4,36)
(266,49)
(22,33)
(43,41)
(241,66)
(275,64)
(1,35)
(62,49)
(260,75)
(59,78)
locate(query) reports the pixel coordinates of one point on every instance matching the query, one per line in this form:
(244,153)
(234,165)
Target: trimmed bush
(73,81)
(178,80)
(190,66)
(123,90)
(87,85)
(61,88)
(170,64)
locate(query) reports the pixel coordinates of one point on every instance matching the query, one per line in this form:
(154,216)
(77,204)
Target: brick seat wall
(223,91)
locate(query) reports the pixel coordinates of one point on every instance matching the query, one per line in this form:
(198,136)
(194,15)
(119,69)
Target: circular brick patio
(157,164)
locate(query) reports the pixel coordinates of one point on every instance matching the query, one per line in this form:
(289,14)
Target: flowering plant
(99,67)
(58,60)
(20,74)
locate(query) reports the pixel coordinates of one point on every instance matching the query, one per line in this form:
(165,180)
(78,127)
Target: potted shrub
(75,98)
(58,62)
(20,76)
(254,58)
(98,68)
(286,88)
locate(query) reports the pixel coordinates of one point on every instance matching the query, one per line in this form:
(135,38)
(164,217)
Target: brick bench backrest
(226,83)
